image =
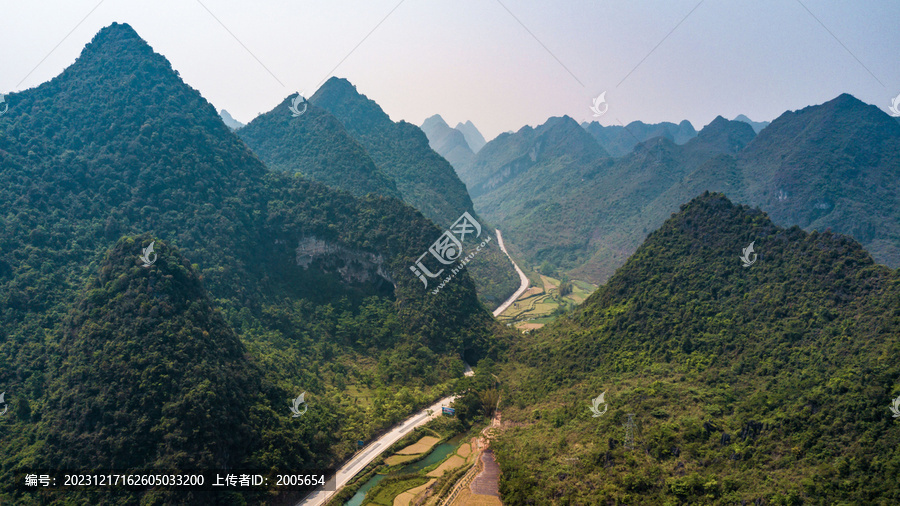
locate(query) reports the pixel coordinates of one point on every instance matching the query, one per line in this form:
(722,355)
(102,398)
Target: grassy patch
(394,460)
(384,493)
(423,445)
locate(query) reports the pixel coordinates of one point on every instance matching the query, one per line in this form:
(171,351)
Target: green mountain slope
(567,206)
(313,282)
(150,376)
(149,354)
(316,145)
(832,165)
(424,179)
(534,159)
(767,384)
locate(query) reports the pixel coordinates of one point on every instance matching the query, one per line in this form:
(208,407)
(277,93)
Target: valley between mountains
(653,313)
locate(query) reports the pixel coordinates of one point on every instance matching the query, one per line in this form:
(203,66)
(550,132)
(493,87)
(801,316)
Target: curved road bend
(522,278)
(376,448)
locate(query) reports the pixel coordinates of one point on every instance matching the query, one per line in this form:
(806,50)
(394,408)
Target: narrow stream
(438,453)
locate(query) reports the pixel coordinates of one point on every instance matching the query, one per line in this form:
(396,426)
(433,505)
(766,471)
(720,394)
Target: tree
(489,399)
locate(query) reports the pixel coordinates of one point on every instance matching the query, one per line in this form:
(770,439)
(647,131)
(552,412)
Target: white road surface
(376,448)
(522,278)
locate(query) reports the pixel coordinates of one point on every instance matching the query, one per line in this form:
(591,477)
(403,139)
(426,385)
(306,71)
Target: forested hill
(827,166)
(425,180)
(143,361)
(766,384)
(401,150)
(315,145)
(313,282)
(832,165)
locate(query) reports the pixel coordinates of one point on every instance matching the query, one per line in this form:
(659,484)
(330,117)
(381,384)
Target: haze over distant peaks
(473,136)
(448,142)
(540,152)
(619,140)
(757,125)
(229,121)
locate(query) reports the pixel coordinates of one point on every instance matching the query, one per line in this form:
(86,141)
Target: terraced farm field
(540,305)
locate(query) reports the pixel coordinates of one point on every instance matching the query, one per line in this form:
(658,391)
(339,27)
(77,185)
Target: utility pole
(629,432)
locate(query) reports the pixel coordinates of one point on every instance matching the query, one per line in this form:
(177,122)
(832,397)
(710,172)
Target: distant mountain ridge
(618,141)
(448,142)
(510,155)
(564,202)
(473,135)
(229,121)
(832,165)
(757,125)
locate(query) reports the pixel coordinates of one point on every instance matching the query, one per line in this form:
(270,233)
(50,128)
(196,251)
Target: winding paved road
(376,448)
(522,278)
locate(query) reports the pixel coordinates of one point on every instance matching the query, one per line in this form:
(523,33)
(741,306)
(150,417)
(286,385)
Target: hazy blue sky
(472,59)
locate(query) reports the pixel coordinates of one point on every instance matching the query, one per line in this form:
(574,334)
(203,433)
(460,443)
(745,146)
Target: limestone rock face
(354,266)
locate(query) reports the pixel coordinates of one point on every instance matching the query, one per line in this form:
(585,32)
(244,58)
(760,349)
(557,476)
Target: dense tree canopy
(100,356)
(770,382)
